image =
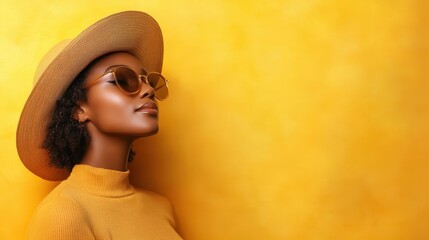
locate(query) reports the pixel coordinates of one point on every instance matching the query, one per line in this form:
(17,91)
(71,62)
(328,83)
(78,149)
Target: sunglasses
(130,82)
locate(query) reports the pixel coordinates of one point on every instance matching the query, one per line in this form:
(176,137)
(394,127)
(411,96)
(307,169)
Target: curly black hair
(66,138)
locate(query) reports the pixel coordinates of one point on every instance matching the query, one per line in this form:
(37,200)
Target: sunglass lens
(159,84)
(127,80)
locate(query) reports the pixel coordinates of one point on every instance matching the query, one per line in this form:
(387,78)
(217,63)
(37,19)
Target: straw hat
(130,31)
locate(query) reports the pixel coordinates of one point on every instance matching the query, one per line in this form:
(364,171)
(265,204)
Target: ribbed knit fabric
(97,203)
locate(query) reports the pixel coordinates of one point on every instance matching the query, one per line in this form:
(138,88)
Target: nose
(146,91)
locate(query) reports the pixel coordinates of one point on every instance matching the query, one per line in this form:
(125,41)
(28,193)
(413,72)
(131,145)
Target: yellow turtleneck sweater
(97,203)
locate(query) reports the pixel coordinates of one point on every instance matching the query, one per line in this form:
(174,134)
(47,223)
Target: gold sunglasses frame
(112,71)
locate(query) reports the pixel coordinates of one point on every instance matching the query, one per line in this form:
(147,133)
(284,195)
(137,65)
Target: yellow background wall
(287,119)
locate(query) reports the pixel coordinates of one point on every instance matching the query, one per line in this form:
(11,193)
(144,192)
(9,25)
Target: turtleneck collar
(101,181)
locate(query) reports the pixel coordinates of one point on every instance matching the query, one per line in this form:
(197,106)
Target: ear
(80,113)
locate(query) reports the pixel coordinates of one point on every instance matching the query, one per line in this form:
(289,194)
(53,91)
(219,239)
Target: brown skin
(113,118)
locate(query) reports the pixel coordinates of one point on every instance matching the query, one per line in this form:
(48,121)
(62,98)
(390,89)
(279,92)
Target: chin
(149,132)
(155,131)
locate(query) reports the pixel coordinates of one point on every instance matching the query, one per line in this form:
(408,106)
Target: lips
(149,108)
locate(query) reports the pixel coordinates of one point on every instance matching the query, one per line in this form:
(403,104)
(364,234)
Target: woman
(93,96)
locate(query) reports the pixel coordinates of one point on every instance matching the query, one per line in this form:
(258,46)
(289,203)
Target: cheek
(109,110)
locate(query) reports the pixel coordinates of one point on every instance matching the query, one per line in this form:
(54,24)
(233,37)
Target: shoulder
(155,198)
(58,216)
(59,204)
(158,203)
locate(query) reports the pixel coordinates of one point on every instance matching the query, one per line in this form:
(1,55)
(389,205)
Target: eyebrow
(142,70)
(113,66)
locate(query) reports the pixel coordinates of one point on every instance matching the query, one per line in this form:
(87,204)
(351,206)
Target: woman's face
(109,110)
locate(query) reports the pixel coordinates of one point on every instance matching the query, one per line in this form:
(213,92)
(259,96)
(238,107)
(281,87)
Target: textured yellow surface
(287,119)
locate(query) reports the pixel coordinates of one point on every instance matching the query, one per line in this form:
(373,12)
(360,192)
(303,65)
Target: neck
(107,151)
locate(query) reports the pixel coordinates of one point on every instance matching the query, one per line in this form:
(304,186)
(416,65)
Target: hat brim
(130,31)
